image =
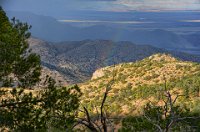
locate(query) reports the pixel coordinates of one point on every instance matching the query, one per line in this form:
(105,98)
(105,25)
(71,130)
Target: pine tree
(18,65)
(52,107)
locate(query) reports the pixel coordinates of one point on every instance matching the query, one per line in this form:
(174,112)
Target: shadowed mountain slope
(77,60)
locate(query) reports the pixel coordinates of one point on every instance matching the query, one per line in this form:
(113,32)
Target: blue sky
(83,9)
(100,5)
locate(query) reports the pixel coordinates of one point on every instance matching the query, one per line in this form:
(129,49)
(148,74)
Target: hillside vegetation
(75,61)
(137,83)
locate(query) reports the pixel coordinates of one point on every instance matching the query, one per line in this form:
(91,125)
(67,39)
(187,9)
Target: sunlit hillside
(140,82)
(99,66)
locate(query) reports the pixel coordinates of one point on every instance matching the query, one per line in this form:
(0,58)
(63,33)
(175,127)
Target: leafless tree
(100,123)
(169,111)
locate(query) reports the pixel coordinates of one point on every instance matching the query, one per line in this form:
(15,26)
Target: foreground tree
(100,122)
(97,124)
(22,109)
(53,107)
(18,65)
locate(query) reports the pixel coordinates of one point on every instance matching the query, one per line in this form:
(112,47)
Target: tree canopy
(18,67)
(22,109)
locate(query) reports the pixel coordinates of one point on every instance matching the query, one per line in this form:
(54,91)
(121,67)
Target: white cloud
(100,21)
(100,5)
(195,21)
(159,4)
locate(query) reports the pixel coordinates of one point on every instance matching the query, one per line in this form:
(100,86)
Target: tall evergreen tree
(18,65)
(25,111)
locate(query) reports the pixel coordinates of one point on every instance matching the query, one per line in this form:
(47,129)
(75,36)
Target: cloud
(100,21)
(64,6)
(159,4)
(193,21)
(142,5)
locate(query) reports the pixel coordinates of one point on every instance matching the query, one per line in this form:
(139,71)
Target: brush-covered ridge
(137,83)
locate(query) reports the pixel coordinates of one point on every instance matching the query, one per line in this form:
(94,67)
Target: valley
(75,61)
(167,30)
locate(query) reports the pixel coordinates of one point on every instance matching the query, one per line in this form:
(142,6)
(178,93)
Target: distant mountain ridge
(76,61)
(49,29)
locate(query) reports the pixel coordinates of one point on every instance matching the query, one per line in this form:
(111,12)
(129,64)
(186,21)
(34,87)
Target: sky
(48,6)
(127,14)
(83,9)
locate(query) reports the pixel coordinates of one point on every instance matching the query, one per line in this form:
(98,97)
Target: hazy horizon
(118,20)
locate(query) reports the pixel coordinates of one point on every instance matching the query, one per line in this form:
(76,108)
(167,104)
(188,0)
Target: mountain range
(50,29)
(75,61)
(72,53)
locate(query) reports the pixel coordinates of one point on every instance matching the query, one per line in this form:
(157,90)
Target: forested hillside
(75,61)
